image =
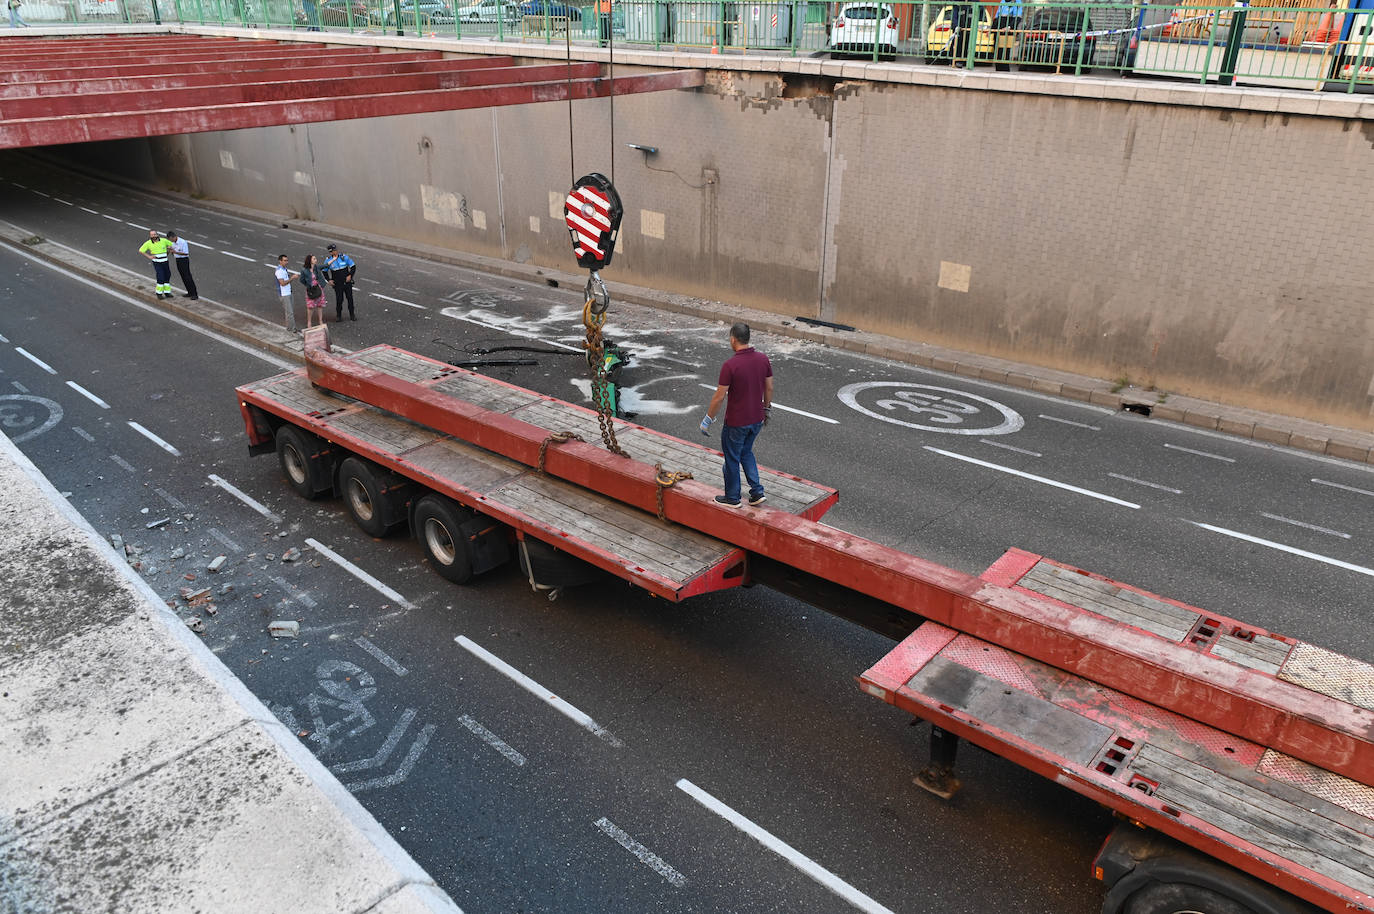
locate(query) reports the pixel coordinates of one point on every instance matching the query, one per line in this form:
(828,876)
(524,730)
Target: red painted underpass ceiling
(89,88)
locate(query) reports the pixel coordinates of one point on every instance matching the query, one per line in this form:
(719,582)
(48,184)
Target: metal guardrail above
(1261,42)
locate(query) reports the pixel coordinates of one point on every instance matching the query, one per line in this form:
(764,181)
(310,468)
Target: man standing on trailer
(747,379)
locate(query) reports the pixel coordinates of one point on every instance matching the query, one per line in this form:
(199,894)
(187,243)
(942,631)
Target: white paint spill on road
(1208,454)
(492,740)
(382,656)
(538,691)
(1040,479)
(88,395)
(1142,482)
(641,853)
(244,497)
(154,439)
(35,359)
(358,573)
(1314,556)
(460,315)
(782,849)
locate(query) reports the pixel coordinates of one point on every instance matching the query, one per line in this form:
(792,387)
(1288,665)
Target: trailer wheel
(364,497)
(1181,898)
(293,454)
(438,526)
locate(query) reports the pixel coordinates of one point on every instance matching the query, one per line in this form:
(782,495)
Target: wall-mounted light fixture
(647,150)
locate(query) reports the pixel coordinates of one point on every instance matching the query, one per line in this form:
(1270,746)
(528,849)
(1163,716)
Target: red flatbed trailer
(1253,749)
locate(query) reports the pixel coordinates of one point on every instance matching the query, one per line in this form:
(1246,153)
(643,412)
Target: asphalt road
(746,696)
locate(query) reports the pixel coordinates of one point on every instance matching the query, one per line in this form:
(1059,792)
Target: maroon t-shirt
(745,373)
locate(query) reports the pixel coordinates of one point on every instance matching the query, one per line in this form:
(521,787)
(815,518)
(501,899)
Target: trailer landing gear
(938,777)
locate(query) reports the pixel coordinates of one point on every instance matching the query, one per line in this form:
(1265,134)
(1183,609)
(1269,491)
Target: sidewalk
(137,774)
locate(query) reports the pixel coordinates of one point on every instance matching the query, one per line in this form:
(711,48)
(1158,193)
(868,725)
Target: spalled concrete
(136,773)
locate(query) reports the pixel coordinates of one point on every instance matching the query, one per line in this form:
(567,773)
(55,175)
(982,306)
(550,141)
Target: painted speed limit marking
(931,409)
(25,417)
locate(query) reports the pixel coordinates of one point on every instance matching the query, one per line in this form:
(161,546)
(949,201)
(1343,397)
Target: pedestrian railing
(1259,42)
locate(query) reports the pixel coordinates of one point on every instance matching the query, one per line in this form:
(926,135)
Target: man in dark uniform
(181,253)
(340,270)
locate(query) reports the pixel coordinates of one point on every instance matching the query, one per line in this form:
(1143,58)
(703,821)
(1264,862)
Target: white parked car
(860,25)
(489,11)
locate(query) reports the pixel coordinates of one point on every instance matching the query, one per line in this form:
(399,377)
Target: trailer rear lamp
(1098,874)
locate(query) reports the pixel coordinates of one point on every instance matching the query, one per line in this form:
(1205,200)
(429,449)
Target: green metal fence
(1262,42)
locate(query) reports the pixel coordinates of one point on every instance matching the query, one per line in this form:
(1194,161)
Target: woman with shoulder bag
(313,281)
(15,19)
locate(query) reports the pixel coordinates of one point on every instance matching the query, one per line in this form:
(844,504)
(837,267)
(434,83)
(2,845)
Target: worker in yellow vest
(156,249)
(603,15)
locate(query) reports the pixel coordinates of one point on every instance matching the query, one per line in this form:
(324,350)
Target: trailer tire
(1182,898)
(438,526)
(294,456)
(364,498)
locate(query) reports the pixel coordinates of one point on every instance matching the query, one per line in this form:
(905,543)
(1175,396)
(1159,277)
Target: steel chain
(555,438)
(665,480)
(594,318)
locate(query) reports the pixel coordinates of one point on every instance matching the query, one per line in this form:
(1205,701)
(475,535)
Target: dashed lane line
(1142,482)
(82,433)
(782,849)
(1010,447)
(789,409)
(1092,428)
(244,497)
(154,439)
(1196,453)
(35,359)
(399,301)
(238,256)
(1258,541)
(358,573)
(19,387)
(88,395)
(537,690)
(382,656)
(123,463)
(1337,485)
(1304,525)
(1031,476)
(641,853)
(492,740)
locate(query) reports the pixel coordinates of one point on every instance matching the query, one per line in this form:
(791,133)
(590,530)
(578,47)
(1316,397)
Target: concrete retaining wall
(1202,246)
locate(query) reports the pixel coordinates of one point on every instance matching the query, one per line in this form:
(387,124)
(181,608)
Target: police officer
(181,252)
(340,269)
(155,249)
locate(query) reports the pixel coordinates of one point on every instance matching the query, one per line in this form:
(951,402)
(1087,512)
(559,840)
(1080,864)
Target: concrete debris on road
(116,541)
(291,554)
(152,525)
(216,564)
(284,628)
(195,623)
(177,553)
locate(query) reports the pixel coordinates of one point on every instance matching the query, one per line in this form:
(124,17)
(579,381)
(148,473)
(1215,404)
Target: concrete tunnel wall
(1210,252)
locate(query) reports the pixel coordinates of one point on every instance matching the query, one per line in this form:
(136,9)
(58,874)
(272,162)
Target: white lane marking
(797,358)
(369,279)
(425,272)
(1142,482)
(1337,485)
(1316,557)
(300,596)
(3,338)
(244,497)
(388,746)
(41,194)
(83,433)
(142,228)
(154,439)
(19,387)
(535,689)
(512,331)
(233,546)
(387,263)
(641,853)
(382,656)
(124,463)
(197,244)
(404,289)
(64,202)
(1304,525)
(1095,428)
(1049,482)
(788,409)
(239,256)
(400,774)
(776,845)
(88,395)
(170,499)
(492,740)
(399,301)
(358,573)
(91,211)
(1188,450)
(106,290)
(34,359)
(112,218)
(1010,447)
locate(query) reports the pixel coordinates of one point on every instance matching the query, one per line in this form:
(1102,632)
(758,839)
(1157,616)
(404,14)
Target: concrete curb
(368,866)
(1270,428)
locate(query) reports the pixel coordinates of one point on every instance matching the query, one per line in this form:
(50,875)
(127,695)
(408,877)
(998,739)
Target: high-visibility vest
(157,248)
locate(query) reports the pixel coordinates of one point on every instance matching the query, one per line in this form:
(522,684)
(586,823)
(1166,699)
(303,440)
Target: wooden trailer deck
(667,559)
(1305,829)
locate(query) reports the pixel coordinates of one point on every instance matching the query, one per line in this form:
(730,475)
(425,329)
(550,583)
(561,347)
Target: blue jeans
(737,441)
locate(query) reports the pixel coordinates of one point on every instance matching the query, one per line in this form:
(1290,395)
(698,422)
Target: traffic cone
(715,46)
(1323,33)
